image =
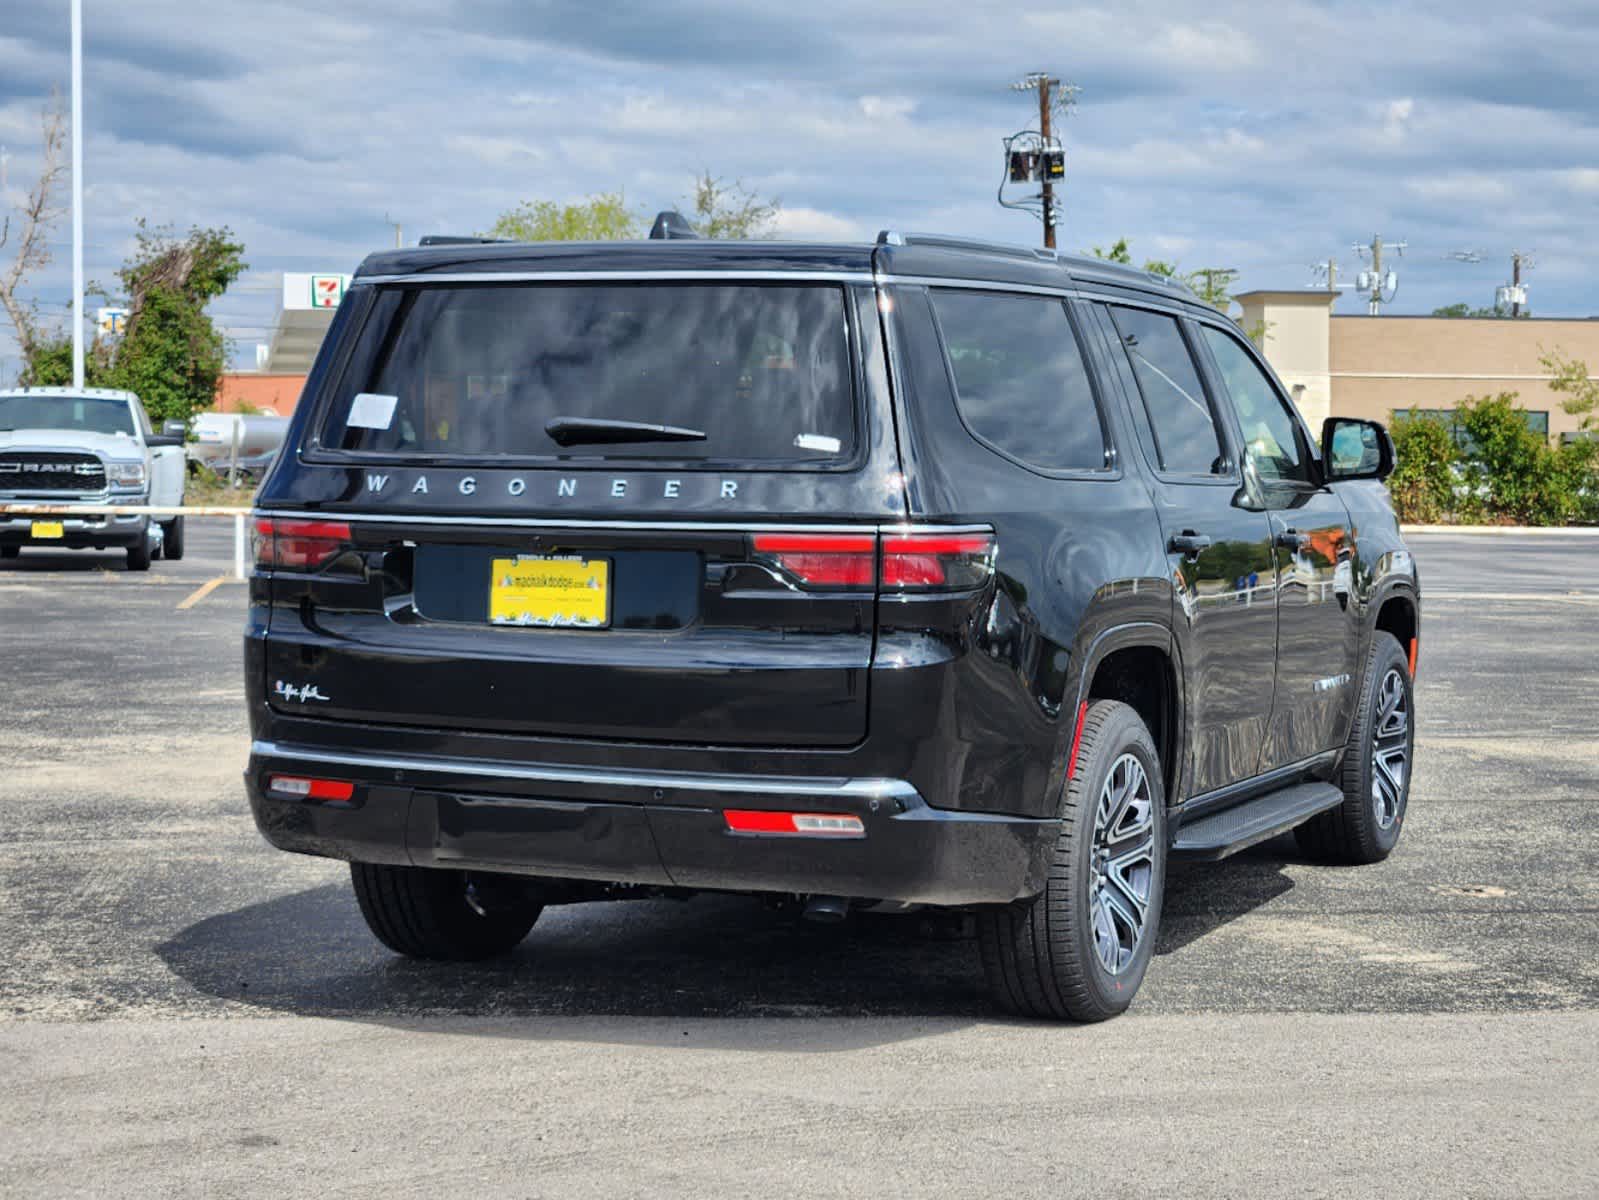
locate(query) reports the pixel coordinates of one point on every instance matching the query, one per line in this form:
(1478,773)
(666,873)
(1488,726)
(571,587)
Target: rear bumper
(655,828)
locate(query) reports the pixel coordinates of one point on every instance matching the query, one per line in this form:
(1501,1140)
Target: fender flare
(1154,635)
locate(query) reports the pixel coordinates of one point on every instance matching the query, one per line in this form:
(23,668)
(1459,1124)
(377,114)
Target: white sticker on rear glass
(817,441)
(372,410)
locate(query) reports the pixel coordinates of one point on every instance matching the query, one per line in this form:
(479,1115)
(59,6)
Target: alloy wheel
(1123,867)
(1390,750)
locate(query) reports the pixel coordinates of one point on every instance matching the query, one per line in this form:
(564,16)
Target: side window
(1186,439)
(1272,440)
(1020,380)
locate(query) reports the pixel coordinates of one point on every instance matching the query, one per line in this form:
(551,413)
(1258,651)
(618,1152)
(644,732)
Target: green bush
(1500,471)
(1519,476)
(1425,458)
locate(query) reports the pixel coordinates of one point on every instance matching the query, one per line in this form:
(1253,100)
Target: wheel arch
(1139,665)
(1395,610)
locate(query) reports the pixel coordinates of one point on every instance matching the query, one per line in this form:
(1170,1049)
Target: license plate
(551,592)
(49,529)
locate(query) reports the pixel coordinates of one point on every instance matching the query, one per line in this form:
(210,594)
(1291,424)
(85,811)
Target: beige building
(1373,367)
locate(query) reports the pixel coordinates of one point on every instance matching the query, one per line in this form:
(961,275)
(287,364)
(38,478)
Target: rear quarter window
(1021,383)
(487,371)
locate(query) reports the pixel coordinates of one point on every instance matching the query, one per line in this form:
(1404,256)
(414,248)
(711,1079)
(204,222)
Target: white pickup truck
(88,446)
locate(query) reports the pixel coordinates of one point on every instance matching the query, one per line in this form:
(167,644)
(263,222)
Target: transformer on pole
(1035,155)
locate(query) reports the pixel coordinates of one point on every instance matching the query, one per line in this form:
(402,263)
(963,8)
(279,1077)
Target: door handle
(1291,539)
(1188,543)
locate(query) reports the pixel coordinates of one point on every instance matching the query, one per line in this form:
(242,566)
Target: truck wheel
(172,540)
(1376,771)
(425,913)
(1080,948)
(139,555)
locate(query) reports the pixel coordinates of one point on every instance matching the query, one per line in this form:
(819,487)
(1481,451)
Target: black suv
(927,572)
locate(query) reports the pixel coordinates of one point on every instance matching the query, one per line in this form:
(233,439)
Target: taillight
(299,545)
(822,559)
(910,561)
(937,561)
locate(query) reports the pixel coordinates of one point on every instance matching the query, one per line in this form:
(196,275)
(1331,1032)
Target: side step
(1233,829)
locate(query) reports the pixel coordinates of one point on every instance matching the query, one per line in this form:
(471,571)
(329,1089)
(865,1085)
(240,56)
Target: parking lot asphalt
(184,1010)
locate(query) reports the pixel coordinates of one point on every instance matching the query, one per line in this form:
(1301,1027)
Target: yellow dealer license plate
(48,529)
(563,593)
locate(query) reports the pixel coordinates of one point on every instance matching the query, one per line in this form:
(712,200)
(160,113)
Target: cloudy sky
(1238,134)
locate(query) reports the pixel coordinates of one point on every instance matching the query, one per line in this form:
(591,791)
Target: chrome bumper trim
(694,781)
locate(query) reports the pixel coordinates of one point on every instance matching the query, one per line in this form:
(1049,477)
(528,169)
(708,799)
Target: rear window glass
(741,372)
(1020,379)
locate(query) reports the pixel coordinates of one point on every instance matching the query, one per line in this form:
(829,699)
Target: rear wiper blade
(589,431)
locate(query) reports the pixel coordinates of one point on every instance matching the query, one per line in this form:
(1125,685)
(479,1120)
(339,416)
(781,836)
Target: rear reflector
(910,561)
(337,791)
(299,545)
(842,825)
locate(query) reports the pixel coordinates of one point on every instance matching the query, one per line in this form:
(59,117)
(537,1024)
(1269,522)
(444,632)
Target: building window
(1537,420)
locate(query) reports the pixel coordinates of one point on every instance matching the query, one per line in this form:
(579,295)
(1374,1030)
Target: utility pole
(1375,305)
(1044,82)
(77,193)
(388,220)
(1375,282)
(1034,156)
(1516,259)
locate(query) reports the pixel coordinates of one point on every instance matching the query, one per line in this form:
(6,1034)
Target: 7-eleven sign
(327,290)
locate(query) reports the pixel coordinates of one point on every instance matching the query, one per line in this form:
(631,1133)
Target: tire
(445,915)
(172,540)
(10,551)
(1375,777)
(139,555)
(1044,956)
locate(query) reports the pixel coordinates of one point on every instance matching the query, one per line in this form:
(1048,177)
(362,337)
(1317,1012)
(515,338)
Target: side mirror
(1355,449)
(175,429)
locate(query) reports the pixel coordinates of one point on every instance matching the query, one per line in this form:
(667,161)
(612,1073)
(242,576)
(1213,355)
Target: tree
(1581,393)
(1118,253)
(27,231)
(170,353)
(1465,310)
(719,210)
(603,217)
(1210,284)
(730,210)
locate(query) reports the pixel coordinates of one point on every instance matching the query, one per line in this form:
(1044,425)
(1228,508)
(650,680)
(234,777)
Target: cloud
(812,224)
(1261,137)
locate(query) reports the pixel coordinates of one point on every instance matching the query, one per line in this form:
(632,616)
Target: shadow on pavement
(70,561)
(1201,897)
(309,953)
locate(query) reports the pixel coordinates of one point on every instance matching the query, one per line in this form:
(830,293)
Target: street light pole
(77,193)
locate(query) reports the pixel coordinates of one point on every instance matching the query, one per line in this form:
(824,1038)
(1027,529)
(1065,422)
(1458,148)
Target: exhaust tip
(826,910)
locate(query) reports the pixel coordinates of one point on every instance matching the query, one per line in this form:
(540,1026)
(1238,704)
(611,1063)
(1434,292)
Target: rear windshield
(748,372)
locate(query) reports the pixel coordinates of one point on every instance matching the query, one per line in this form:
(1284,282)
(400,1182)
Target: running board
(1233,829)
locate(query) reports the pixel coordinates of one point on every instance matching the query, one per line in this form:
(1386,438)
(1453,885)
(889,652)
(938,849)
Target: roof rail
(890,237)
(450,239)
